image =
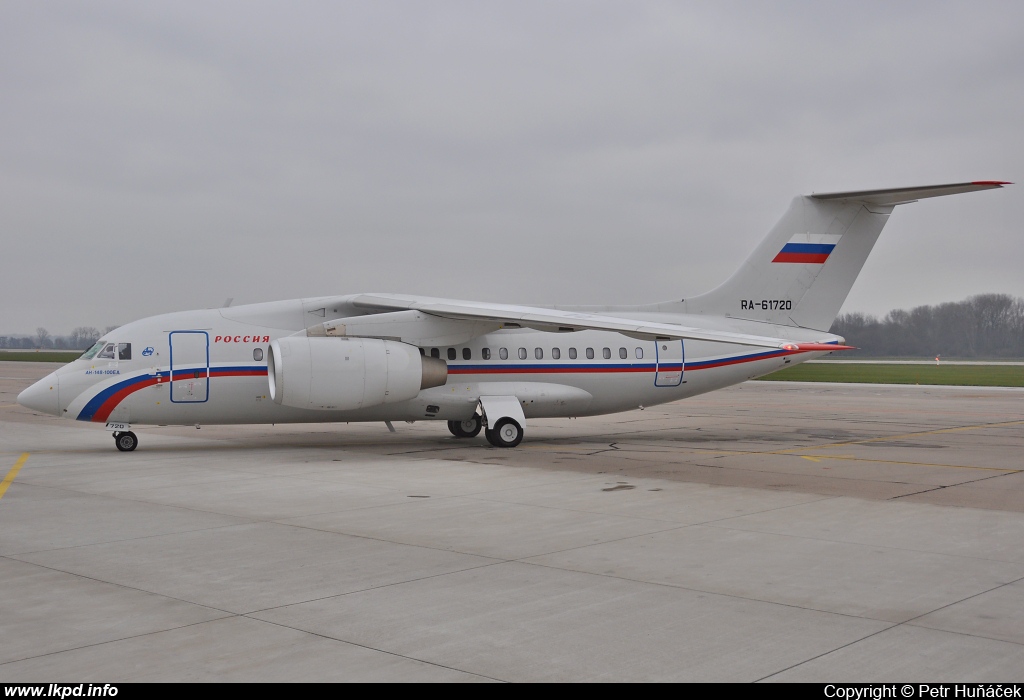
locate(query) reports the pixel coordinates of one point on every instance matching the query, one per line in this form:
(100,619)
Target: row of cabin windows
(538,353)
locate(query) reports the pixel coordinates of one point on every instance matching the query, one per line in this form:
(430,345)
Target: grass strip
(31,356)
(947,375)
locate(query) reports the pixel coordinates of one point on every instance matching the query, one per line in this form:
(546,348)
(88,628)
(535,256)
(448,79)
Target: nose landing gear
(126,441)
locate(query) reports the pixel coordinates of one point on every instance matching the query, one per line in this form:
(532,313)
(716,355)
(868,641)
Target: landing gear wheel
(505,433)
(126,442)
(466,428)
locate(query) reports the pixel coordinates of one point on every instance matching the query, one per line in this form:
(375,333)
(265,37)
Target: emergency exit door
(190,366)
(671,359)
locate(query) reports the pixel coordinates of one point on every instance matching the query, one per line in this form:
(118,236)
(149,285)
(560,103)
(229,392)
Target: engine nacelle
(341,374)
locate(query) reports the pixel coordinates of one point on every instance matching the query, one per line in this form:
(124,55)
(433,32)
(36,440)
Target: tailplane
(802,272)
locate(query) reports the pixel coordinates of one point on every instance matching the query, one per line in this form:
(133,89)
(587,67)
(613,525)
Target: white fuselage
(210,367)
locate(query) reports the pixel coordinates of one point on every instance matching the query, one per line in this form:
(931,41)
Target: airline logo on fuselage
(808,248)
(241,339)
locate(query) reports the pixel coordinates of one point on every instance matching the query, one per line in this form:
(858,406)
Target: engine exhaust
(435,372)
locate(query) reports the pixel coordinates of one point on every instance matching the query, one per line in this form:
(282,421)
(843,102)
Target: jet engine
(341,374)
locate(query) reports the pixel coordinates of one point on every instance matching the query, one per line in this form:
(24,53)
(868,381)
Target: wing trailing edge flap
(554,320)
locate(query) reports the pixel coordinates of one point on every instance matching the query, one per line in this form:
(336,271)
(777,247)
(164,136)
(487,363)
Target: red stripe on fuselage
(817,258)
(104,411)
(108,406)
(557,370)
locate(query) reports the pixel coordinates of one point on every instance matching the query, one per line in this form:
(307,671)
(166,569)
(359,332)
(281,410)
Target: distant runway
(774,531)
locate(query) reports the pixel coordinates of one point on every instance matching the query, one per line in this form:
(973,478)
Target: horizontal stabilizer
(904,195)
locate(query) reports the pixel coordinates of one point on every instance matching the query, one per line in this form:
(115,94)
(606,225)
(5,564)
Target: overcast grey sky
(166,156)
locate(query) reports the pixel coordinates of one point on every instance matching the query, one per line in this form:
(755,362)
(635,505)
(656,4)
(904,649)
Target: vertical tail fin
(802,272)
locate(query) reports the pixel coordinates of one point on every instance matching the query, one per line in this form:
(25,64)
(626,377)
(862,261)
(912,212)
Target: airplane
(481,366)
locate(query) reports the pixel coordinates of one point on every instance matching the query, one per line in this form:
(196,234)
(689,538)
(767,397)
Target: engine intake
(341,374)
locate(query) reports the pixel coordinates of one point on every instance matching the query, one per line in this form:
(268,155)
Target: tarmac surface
(772,531)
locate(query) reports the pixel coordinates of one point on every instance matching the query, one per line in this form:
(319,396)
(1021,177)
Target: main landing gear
(126,441)
(466,428)
(506,433)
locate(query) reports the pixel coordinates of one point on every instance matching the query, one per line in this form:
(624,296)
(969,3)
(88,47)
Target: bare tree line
(80,338)
(982,326)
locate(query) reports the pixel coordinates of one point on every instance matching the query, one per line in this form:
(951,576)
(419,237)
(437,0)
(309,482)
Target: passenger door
(190,366)
(671,359)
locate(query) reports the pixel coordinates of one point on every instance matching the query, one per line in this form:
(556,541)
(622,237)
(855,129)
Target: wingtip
(991,183)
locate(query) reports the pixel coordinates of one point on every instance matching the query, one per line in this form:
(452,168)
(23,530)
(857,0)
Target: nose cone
(42,396)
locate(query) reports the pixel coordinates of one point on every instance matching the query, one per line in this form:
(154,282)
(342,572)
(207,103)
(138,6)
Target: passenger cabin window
(91,352)
(606,353)
(522,353)
(503,353)
(639,353)
(124,351)
(572,353)
(590,353)
(485,353)
(451,353)
(623,354)
(467,354)
(556,354)
(257,354)
(107,353)
(538,353)
(434,352)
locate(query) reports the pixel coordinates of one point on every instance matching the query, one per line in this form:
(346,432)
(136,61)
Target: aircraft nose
(42,396)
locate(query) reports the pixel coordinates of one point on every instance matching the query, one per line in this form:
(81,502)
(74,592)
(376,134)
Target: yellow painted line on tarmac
(818,458)
(850,458)
(624,449)
(13,473)
(887,438)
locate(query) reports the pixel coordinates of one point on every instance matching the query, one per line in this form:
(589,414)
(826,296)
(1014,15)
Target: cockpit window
(107,353)
(91,352)
(124,351)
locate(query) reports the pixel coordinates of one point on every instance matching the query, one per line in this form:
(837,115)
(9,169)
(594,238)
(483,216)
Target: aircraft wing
(554,320)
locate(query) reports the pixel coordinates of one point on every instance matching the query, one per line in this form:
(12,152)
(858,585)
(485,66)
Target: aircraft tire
(466,428)
(126,442)
(505,433)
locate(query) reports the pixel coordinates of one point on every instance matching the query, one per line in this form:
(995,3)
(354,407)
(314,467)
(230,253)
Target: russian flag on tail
(808,248)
